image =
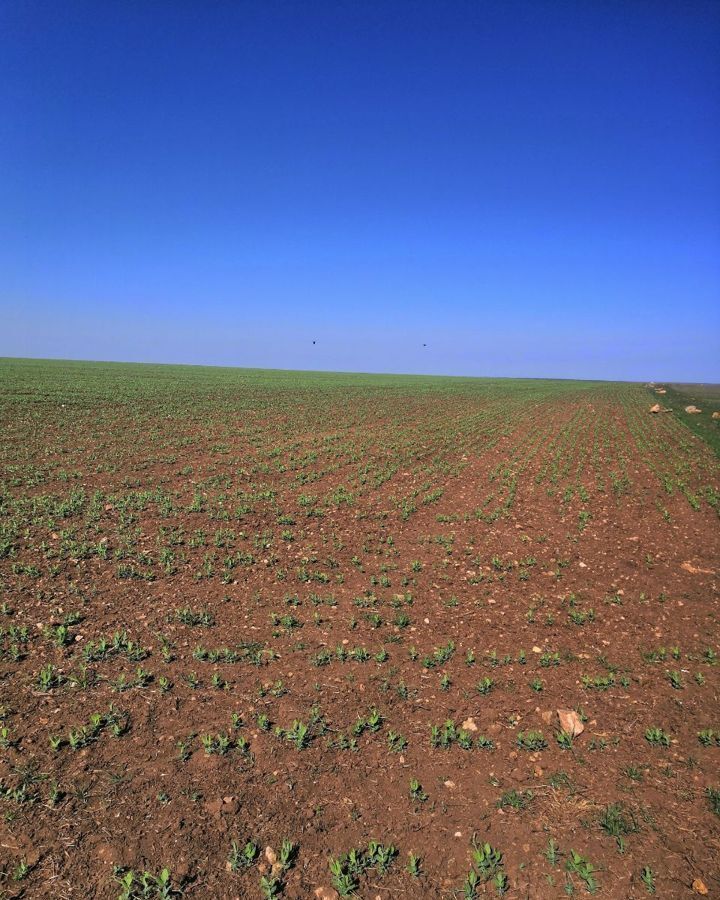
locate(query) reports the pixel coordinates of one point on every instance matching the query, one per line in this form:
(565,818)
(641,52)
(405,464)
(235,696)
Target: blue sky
(529,188)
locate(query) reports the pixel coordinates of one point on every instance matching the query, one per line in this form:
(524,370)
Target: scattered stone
(693,410)
(326,893)
(231,805)
(271,855)
(570,722)
(469,724)
(699,886)
(214,807)
(695,570)
(716,414)
(656,408)
(108,854)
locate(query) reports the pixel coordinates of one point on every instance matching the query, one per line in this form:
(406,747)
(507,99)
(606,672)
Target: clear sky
(528,188)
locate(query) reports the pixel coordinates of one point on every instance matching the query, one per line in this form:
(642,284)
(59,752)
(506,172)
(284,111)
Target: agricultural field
(302,635)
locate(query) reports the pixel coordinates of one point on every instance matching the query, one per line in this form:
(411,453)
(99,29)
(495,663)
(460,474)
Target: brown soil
(603,591)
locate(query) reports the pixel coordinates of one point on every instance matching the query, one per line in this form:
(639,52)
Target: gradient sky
(529,188)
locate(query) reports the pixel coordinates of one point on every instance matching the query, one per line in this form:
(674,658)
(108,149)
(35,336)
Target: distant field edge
(28,360)
(705,397)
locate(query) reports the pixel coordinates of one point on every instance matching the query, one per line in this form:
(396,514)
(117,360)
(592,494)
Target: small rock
(570,722)
(213,807)
(181,868)
(231,805)
(108,854)
(270,855)
(449,784)
(326,893)
(695,570)
(699,886)
(469,724)
(692,410)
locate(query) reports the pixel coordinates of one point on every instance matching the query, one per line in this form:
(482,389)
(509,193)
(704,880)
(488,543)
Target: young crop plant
(414,866)
(217,744)
(647,876)
(22,870)
(416,791)
(396,742)
(380,857)
(531,741)
(439,656)
(581,617)
(48,678)
(549,659)
(242,855)
(657,737)
(444,736)
(598,682)
(194,618)
(514,799)
(713,797)
(281,861)
(6,739)
(618,823)
(343,880)
(372,722)
(298,735)
(348,869)
(579,865)
(552,852)
(139,885)
(487,861)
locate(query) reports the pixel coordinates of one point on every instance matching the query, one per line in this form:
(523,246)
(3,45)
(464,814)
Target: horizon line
(125,362)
